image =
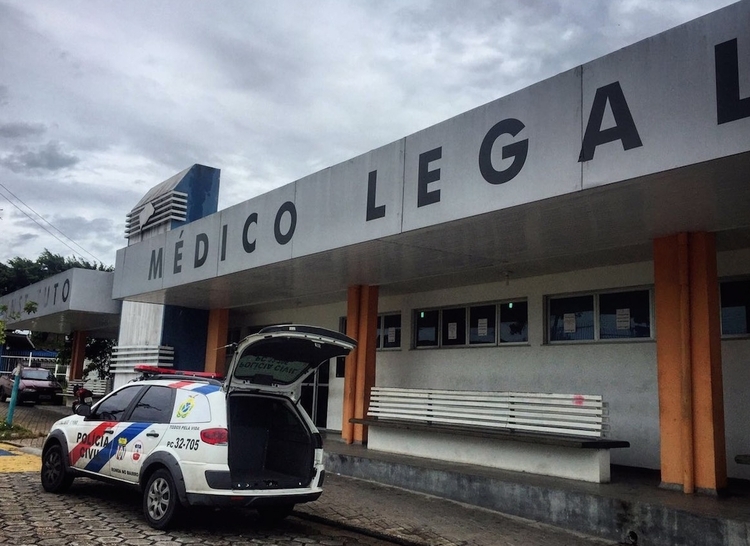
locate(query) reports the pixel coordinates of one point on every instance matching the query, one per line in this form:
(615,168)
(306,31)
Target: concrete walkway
(630,510)
(396,497)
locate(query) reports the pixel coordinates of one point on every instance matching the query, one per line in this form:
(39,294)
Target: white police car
(185,441)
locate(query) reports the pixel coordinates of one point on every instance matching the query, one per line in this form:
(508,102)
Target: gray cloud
(74,235)
(21,130)
(267,92)
(49,157)
(23,239)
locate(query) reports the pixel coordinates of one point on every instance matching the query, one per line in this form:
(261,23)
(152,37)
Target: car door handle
(108,431)
(152,434)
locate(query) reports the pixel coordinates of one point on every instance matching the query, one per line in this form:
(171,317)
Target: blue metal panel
(185,330)
(201,184)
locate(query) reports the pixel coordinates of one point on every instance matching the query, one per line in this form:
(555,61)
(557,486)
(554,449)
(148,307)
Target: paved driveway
(95,514)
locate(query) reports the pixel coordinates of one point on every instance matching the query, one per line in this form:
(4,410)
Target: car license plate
(44,397)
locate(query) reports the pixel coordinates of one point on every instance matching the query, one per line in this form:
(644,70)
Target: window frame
(444,328)
(166,417)
(382,334)
(415,329)
(495,328)
(467,307)
(96,414)
(596,294)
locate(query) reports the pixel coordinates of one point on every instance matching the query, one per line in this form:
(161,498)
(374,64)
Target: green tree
(20,272)
(98,353)
(29,308)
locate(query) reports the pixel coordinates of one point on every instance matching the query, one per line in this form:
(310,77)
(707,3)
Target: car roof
(201,386)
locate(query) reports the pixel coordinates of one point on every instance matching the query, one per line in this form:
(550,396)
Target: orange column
(77,356)
(216,340)
(689,362)
(368,331)
(350,369)
(708,389)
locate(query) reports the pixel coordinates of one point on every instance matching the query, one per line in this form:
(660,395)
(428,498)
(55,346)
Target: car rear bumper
(253,501)
(40,397)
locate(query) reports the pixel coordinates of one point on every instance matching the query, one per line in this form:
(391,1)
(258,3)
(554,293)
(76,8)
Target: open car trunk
(270,444)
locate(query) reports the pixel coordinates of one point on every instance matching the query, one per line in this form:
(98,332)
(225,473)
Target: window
(155,406)
(426,328)
(624,315)
(454,327)
(571,318)
(113,407)
(389,337)
(592,317)
(340,366)
(514,322)
(735,308)
(38,374)
(483,324)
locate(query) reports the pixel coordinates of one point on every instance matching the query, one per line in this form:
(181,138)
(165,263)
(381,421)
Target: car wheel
(55,477)
(161,505)
(275,514)
(3,396)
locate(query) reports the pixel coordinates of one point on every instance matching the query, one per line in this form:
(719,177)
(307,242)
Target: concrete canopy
(76,300)
(581,170)
(604,226)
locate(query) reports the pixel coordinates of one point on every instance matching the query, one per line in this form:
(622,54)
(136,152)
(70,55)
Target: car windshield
(39,375)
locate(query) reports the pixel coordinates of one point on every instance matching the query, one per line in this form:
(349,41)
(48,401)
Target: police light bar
(156,370)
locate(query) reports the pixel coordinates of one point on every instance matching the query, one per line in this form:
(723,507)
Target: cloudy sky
(101,100)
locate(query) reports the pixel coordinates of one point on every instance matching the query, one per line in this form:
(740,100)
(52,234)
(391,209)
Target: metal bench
(559,425)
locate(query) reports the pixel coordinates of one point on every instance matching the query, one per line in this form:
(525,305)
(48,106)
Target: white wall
(624,373)
(140,324)
(735,356)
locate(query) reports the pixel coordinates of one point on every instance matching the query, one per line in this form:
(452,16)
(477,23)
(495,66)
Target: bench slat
(375,404)
(583,418)
(566,414)
(512,422)
(461,394)
(500,426)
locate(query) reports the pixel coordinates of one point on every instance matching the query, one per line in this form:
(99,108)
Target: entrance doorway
(314,396)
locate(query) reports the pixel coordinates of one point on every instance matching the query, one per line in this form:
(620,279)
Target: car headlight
(28,389)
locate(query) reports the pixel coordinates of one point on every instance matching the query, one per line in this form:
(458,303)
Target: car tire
(275,514)
(55,477)
(3,396)
(161,504)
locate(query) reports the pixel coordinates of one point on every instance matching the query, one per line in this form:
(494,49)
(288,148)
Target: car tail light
(215,436)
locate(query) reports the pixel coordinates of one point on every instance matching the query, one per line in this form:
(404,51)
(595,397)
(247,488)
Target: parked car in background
(184,440)
(37,385)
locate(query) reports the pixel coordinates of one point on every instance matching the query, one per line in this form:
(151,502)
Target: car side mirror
(83,410)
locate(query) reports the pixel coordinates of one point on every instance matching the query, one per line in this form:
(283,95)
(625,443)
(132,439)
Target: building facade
(588,234)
